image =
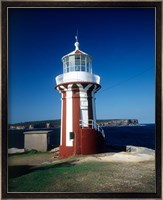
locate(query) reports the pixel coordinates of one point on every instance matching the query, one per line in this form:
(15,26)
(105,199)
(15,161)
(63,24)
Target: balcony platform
(77,77)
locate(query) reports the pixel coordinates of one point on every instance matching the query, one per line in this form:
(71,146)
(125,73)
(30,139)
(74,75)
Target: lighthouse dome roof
(77,50)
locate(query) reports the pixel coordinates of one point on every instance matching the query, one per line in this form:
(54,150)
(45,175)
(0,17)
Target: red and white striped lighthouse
(79,132)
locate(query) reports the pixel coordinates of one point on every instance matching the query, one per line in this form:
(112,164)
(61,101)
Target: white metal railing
(91,124)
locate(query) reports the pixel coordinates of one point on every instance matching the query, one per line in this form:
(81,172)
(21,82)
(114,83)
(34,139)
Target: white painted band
(69,116)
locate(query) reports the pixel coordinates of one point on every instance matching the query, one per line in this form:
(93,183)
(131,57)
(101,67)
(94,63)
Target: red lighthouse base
(87,141)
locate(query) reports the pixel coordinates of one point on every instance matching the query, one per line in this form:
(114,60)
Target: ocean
(141,135)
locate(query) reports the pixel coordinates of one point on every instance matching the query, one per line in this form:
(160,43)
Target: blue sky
(120,40)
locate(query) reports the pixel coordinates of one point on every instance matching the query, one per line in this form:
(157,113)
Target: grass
(93,176)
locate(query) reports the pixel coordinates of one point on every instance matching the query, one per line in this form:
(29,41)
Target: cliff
(118,122)
(56,123)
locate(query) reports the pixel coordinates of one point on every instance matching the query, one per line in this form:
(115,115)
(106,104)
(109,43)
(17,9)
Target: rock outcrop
(15,151)
(132,154)
(118,122)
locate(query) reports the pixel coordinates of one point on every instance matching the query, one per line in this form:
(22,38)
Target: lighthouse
(80,134)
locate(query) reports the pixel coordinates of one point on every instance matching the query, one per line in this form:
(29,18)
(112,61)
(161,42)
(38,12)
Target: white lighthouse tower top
(77,67)
(77,50)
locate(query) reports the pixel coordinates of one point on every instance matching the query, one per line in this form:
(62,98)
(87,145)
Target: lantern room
(77,66)
(77,61)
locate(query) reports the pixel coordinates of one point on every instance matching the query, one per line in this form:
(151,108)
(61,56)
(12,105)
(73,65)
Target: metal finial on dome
(76,43)
(76,37)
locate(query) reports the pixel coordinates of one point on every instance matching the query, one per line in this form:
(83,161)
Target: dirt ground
(33,160)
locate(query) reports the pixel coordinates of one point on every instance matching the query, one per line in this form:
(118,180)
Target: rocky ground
(132,154)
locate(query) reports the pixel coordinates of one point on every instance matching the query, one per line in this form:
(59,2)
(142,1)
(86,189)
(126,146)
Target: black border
(155,4)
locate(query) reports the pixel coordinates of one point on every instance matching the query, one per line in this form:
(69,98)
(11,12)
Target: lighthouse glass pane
(65,59)
(71,69)
(83,58)
(65,65)
(77,62)
(77,68)
(83,68)
(88,65)
(72,63)
(64,68)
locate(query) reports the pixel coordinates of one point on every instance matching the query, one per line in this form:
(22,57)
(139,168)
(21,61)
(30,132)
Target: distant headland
(56,123)
(118,122)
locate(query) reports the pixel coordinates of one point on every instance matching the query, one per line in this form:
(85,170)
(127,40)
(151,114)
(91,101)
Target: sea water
(141,135)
